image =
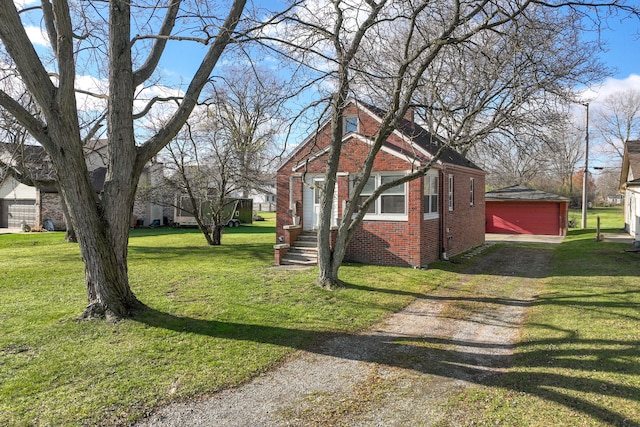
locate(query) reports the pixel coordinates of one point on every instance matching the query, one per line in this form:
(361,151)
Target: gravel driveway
(402,371)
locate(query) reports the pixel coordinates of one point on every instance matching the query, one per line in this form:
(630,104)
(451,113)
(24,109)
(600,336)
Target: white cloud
(20,4)
(597,94)
(92,85)
(37,36)
(599,153)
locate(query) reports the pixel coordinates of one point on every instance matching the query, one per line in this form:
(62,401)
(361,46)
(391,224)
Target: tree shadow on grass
(558,369)
(166,231)
(469,360)
(230,253)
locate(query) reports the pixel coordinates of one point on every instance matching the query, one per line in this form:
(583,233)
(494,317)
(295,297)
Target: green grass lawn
(218,315)
(611,218)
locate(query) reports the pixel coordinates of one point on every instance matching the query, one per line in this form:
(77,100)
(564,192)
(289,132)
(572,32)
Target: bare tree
(608,184)
(511,159)
(470,68)
(80,36)
(204,175)
(247,107)
(618,120)
(566,151)
(226,149)
(543,156)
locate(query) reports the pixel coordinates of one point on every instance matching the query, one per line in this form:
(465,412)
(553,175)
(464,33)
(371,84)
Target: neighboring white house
(630,184)
(264,199)
(40,203)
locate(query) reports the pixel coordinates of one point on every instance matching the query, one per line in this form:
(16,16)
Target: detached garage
(521,210)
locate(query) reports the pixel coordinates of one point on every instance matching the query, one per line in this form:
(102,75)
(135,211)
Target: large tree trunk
(329,261)
(103,222)
(328,272)
(102,244)
(330,258)
(107,283)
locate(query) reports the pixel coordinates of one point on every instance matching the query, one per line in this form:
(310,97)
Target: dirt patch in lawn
(402,371)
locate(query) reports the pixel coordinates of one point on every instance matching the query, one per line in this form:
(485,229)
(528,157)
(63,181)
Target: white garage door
(19,211)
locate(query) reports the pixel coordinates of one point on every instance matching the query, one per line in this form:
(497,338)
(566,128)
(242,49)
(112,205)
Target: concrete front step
(311,252)
(294,260)
(304,251)
(313,245)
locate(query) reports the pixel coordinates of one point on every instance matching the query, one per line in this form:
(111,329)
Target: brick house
(414,224)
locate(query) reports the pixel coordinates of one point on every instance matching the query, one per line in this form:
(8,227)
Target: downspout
(443,217)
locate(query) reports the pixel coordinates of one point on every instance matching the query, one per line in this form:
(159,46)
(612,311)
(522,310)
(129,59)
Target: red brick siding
(287,207)
(430,241)
(384,243)
(391,242)
(465,225)
(51,209)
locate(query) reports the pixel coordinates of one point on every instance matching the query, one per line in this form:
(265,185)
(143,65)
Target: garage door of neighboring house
(523,218)
(13,212)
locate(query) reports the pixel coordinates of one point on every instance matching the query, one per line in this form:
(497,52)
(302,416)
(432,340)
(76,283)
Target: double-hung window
(368,189)
(430,195)
(391,203)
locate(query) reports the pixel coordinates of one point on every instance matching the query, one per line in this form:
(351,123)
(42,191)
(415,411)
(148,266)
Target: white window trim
(433,215)
(388,216)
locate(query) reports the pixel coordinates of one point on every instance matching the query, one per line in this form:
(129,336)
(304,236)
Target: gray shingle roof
(425,140)
(32,166)
(29,162)
(522,193)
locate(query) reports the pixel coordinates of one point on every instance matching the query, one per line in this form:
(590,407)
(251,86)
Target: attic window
(350,124)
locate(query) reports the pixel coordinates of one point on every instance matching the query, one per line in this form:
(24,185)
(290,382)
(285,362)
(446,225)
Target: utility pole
(585,175)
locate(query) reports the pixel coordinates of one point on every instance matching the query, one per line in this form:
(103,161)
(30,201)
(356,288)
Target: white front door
(311,202)
(318,186)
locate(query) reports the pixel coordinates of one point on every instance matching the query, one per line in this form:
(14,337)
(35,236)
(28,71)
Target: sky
(620,37)
(622,42)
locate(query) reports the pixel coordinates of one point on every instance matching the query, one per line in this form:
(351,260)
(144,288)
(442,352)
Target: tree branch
(159,140)
(145,71)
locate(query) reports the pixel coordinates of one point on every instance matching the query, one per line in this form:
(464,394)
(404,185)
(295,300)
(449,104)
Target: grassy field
(578,362)
(611,218)
(218,315)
